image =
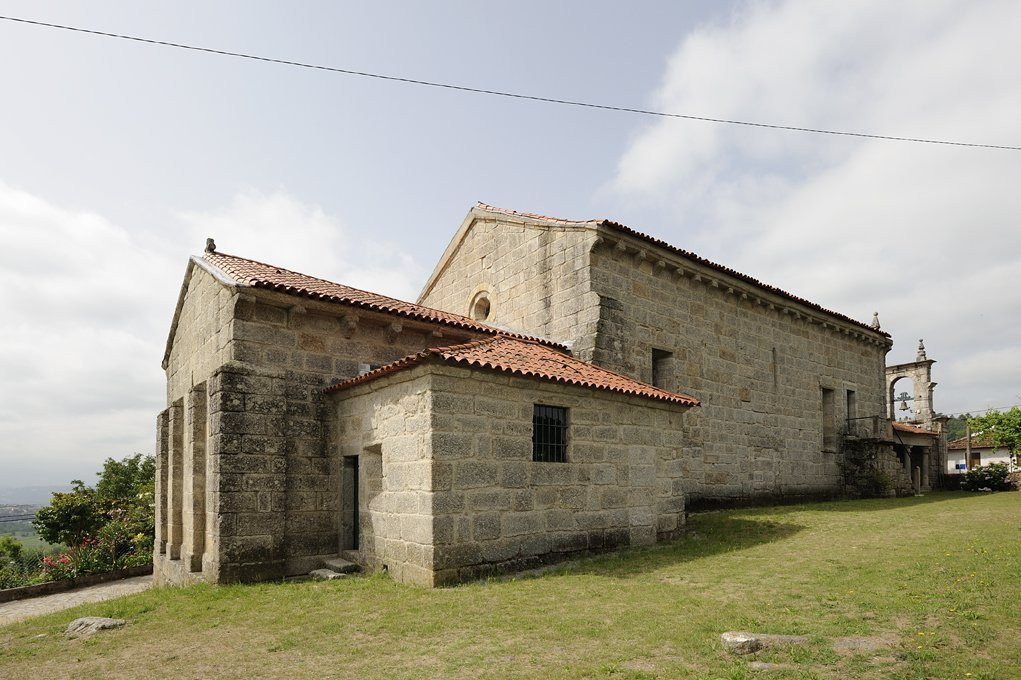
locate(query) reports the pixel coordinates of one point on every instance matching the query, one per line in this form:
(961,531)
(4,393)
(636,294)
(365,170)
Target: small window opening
(349,502)
(480,307)
(776,371)
(549,434)
(829,429)
(852,405)
(662,368)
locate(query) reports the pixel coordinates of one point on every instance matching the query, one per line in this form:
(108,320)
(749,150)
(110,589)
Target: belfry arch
(919,373)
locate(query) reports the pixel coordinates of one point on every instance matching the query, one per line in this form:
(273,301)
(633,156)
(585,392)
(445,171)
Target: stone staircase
(335,567)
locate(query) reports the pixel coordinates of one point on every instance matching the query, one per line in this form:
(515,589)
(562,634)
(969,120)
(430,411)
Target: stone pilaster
(175,481)
(162,462)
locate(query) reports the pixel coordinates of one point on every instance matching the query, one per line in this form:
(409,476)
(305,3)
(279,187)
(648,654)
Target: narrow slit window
(829,426)
(549,434)
(662,368)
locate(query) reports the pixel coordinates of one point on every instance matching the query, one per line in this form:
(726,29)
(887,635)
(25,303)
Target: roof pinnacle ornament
(921,351)
(210,245)
(875,321)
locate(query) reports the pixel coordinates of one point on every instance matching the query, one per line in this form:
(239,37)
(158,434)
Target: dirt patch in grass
(858,644)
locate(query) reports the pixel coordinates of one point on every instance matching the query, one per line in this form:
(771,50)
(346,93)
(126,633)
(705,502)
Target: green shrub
(20,566)
(109,527)
(992,477)
(70,517)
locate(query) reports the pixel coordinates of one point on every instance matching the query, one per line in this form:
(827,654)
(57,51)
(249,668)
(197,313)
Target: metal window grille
(549,434)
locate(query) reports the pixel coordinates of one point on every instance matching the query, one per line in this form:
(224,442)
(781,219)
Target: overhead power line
(512,95)
(980,411)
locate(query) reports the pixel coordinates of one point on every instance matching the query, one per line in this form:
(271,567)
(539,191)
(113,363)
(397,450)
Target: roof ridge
(538,216)
(747,278)
(225,262)
(332,283)
(476,343)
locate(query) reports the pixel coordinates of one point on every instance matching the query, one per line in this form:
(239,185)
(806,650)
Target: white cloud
(87,306)
(278,228)
(927,235)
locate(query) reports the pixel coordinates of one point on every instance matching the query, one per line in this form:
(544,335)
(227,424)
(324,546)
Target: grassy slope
(935,577)
(24,532)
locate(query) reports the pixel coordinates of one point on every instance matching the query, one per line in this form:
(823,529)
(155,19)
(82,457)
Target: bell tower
(919,373)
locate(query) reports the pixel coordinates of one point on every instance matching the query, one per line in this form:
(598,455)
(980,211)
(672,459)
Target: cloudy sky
(117,159)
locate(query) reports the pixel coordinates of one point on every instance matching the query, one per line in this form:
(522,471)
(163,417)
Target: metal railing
(868,427)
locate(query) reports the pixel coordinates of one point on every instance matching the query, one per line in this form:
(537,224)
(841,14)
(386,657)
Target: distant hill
(29,495)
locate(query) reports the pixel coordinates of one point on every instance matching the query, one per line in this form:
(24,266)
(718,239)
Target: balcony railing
(869,427)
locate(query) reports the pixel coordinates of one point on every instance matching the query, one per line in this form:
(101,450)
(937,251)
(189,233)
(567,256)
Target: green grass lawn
(933,582)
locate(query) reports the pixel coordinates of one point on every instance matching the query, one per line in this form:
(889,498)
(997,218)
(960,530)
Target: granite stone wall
(246,487)
(758,361)
(458,495)
(494,508)
(386,425)
(536,278)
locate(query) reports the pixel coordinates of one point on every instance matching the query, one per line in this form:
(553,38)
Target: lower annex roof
(525,358)
(911,429)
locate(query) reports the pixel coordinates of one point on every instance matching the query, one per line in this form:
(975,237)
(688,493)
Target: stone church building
(559,387)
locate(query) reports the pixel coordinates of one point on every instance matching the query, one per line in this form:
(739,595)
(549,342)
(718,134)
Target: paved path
(45,604)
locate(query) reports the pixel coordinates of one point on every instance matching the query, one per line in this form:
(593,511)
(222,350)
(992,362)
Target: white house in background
(983,452)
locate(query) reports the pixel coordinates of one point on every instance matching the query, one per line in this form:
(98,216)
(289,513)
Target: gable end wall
(536,276)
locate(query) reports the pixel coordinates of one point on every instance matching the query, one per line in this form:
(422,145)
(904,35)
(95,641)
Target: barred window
(549,434)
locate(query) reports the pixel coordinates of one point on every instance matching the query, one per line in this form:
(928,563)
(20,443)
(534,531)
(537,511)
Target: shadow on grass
(713,534)
(870,504)
(718,532)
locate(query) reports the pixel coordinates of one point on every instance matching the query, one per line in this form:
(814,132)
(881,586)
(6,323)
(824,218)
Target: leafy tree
(1004,427)
(956,426)
(70,518)
(126,478)
(123,498)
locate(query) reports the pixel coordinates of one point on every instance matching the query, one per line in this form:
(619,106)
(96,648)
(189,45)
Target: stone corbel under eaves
(685,268)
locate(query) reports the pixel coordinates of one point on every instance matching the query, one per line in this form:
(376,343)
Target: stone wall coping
(411,374)
(911,364)
(25,592)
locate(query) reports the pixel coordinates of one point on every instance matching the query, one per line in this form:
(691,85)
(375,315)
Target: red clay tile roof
(525,358)
(911,429)
(261,275)
(979,440)
(616,226)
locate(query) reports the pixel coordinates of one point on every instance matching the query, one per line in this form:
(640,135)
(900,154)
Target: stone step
(341,566)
